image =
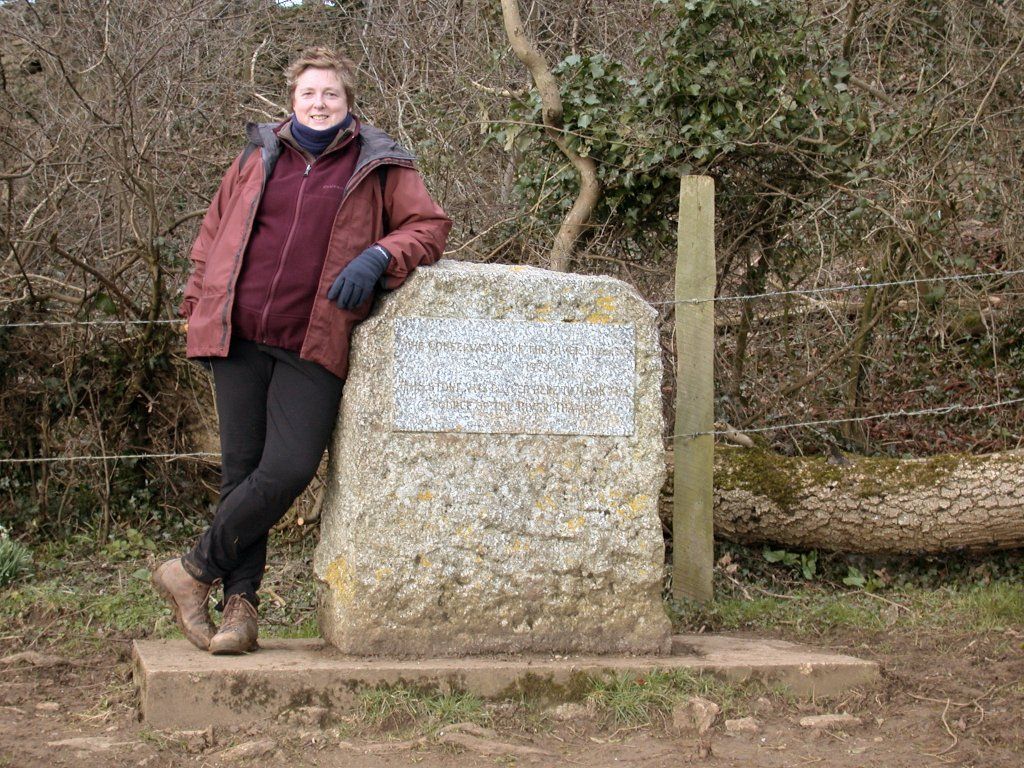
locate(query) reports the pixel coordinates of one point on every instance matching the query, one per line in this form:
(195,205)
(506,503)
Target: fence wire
(938,411)
(714,432)
(65,323)
(112,457)
(746,297)
(845,288)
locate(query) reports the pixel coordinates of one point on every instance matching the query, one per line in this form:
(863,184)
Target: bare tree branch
(579,215)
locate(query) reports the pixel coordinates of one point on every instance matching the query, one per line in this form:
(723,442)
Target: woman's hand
(355,283)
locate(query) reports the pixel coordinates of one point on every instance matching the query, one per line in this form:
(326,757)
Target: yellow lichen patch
(635,506)
(425,561)
(382,572)
(537,471)
(339,578)
(517,545)
(424,496)
(546,504)
(575,523)
(604,306)
(465,532)
(541,313)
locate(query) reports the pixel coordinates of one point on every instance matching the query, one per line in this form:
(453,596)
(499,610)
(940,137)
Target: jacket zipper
(265,315)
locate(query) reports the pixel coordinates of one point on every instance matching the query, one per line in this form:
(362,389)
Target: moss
(878,476)
(779,478)
(543,688)
(784,479)
(246,691)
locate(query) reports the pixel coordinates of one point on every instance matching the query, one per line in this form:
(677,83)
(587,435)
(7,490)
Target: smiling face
(319,99)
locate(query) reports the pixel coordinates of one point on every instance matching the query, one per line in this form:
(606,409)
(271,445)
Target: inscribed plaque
(513,377)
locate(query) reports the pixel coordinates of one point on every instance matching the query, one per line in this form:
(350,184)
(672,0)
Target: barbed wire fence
(936,411)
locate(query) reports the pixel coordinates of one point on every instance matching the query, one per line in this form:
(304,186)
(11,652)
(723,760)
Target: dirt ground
(944,700)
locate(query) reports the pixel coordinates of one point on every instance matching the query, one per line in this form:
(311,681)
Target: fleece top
(286,251)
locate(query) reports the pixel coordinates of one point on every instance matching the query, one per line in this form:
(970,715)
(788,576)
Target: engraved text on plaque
(513,377)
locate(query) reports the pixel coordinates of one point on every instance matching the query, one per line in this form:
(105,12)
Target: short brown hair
(320,57)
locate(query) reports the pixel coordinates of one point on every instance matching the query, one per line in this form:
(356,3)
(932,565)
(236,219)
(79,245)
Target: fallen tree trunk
(869,505)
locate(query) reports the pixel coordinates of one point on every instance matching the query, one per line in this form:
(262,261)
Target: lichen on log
(870,505)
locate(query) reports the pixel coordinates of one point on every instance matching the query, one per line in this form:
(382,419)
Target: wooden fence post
(692,522)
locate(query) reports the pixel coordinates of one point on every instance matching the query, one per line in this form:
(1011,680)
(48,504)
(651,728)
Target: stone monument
(495,470)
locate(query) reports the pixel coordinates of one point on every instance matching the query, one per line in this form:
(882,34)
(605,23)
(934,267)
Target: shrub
(15,558)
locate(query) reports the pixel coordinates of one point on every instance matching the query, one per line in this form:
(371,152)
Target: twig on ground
(949,730)
(743,589)
(893,603)
(281,602)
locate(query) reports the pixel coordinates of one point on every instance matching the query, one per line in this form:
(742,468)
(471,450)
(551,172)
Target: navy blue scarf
(314,141)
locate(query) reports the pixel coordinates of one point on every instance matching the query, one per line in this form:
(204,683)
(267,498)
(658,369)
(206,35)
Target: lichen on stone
(479,542)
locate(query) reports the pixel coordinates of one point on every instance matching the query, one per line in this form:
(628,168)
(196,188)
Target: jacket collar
(374,144)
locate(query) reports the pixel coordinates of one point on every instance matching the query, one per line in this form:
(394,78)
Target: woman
(309,220)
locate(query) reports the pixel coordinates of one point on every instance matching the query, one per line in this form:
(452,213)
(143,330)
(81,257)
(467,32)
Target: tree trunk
(578,217)
(870,505)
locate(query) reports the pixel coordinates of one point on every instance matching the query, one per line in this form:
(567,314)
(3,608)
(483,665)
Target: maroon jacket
(418,229)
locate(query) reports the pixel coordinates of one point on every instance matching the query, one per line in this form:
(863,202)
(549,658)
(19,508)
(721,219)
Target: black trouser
(276,415)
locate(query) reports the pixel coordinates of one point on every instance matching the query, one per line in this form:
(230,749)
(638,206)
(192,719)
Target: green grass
(77,604)
(15,559)
(399,705)
(80,598)
(72,609)
(805,611)
(992,607)
(630,699)
(822,609)
(81,595)
(307,627)
(88,600)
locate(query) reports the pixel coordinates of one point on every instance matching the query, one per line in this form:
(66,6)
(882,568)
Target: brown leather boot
(238,629)
(188,597)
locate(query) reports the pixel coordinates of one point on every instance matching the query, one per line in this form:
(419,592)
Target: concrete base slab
(182,687)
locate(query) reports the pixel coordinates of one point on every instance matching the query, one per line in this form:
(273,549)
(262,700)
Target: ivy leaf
(105,304)
(854,578)
(841,69)
(510,137)
(809,565)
